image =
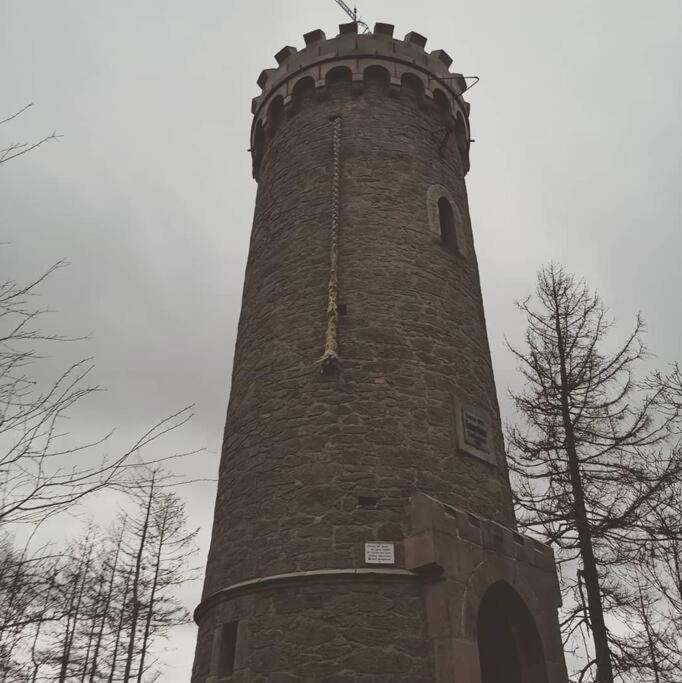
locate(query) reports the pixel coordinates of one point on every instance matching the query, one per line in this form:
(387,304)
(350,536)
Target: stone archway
(509,645)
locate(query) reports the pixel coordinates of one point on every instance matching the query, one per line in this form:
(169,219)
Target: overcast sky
(577,121)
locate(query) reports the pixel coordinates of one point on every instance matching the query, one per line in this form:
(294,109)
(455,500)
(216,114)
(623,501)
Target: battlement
(378,54)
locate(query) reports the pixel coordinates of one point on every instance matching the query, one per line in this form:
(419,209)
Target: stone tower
(364,528)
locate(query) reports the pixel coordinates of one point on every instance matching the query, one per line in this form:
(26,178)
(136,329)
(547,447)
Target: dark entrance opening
(509,645)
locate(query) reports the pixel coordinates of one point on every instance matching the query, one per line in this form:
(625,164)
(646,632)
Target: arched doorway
(509,646)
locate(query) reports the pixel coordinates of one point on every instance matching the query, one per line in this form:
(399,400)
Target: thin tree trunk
(107,605)
(119,627)
(34,645)
(93,628)
(678,570)
(67,632)
(590,574)
(16,584)
(649,637)
(69,636)
(136,586)
(152,596)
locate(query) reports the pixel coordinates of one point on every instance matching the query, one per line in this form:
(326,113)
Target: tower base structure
(491,597)
(467,601)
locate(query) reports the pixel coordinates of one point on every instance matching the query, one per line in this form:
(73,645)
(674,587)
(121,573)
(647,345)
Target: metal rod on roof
(353,14)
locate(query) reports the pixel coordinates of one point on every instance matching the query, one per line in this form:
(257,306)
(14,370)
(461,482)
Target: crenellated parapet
(358,58)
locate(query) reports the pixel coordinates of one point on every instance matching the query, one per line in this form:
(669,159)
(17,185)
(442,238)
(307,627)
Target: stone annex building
(364,528)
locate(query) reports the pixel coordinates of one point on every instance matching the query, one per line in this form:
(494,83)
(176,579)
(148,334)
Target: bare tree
(30,603)
(661,560)
(159,552)
(594,458)
(172,548)
(44,472)
(109,575)
(41,471)
(75,582)
(655,636)
(121,607)
(99,610)
(137,556)
(68,615)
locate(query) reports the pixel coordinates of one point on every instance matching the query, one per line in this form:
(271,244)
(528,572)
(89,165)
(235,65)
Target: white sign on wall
(379,553)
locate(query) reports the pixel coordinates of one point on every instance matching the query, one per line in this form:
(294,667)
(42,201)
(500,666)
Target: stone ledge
(431,517)
(373,574)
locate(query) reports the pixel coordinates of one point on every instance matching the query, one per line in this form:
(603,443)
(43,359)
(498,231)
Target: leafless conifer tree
(40,473)
(158,552)
(594,458)
(93,611)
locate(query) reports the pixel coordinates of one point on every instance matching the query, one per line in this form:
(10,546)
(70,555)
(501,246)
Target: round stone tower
(364,510)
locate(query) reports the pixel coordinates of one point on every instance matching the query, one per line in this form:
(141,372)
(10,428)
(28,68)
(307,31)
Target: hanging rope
(330,357)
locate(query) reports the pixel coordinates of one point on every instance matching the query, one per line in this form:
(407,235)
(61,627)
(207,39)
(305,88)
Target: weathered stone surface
(351,631)
(471,566)
(299,443)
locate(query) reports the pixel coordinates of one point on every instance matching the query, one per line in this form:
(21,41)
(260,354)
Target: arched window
(377,77)
(339,79)
(303,92)
(412,86)
(446,219)
(275,114)
(339,74)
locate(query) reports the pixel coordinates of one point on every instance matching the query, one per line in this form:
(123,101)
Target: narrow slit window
(446,217)
(228,648)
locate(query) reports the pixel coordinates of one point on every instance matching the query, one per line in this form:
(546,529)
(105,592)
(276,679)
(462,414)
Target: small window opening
(367,502)
(275,114)
(461,137)
(412,86)
(442,103)
(228,648)
(447,223)
(303,93)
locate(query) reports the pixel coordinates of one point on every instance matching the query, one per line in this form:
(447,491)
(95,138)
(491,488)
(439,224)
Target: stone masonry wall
(361,632)
(301,447)
(315,464)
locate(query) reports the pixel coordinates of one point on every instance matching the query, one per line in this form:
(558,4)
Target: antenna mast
(353,14)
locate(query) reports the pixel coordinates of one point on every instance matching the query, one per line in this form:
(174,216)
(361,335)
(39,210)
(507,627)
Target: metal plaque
(476,431)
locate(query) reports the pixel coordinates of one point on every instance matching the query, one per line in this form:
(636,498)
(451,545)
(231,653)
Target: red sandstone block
(420,553)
